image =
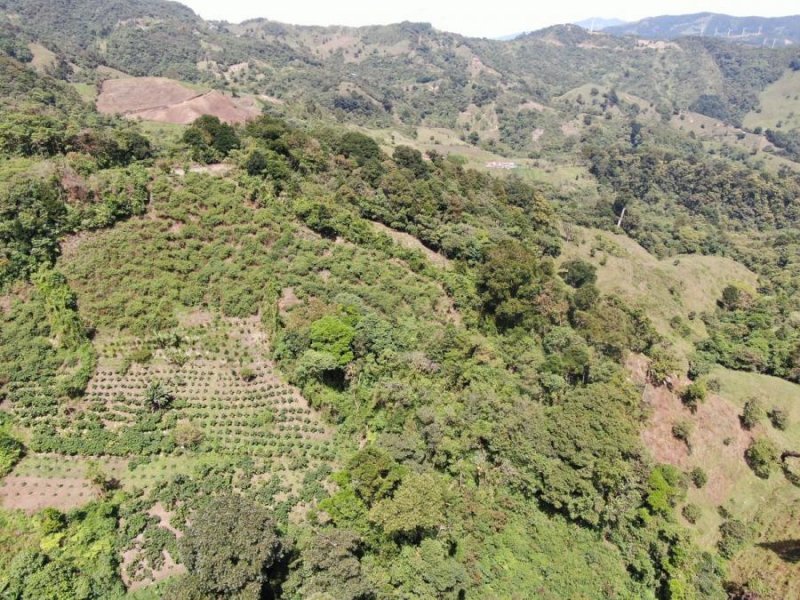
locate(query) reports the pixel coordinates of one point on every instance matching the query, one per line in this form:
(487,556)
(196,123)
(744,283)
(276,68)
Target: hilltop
(752,31)
(389,312)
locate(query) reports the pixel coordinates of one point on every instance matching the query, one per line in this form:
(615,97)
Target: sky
(489,18)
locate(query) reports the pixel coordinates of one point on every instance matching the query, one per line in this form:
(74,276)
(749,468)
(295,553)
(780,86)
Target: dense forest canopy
(328,352)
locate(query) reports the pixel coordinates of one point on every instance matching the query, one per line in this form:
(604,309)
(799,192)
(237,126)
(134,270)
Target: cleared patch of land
(167,101)
(717,444)
(42,57)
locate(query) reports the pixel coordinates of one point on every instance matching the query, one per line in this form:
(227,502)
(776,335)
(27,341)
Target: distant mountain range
(754,31)
(592,24)
(599,23)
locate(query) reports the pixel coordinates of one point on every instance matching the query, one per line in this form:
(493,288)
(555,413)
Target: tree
(417,509)
(33,214)
(333,335)
(411,159)
(426,571)
(11,451)
(231,547)
(762,455)
(188,435)
(330,566)
(586,297)
(210,139)
(733,535)
(508,282)
(358,146)
(157,397)
(752,414)
(373,474)
(577,272)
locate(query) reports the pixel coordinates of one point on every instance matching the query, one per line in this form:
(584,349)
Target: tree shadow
(787,550)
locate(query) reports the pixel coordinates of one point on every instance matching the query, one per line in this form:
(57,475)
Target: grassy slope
(780,102)
(667,288)
(772,505)
(674,287)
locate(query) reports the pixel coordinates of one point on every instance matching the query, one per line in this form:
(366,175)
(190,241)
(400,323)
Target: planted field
(221,399)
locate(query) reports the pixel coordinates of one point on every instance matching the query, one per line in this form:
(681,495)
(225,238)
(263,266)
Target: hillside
(438,79)
(751,31)
(387,312)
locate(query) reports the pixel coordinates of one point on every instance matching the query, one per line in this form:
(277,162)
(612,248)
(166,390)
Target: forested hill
(383,313)
(754,31)
(408,72)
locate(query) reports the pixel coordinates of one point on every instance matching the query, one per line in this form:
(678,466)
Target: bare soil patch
(717,437)
(167,101)
(31,494)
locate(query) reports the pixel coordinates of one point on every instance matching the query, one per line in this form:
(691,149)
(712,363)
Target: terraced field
(225,401)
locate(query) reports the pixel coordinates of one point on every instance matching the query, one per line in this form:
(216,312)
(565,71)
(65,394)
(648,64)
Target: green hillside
(440,318)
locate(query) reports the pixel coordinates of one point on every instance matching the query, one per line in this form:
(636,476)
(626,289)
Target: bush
(663,364)
(187,435)
(694,395)
(752,414)
(733,535)
(666,487)
(698,477)
(681,430)
(692,513)
(762,455)
(779,418)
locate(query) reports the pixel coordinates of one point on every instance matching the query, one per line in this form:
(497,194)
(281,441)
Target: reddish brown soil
(715,423)
(167,101)
(35,493)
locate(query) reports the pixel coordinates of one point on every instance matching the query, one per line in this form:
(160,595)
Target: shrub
(698,477)
(753,413)
(762,455)
(692,513)
(779,418)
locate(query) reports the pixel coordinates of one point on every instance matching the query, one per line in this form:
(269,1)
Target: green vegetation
(347,364)
(230,547)
(762,456)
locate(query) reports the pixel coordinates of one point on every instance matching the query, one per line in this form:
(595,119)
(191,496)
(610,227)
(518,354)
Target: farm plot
(160,407)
